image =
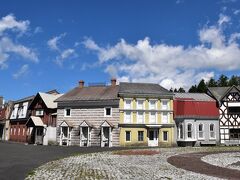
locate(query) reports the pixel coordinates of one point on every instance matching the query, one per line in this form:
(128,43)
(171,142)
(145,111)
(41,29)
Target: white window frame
(39,114)
(105,112)
(201,131)
(180,131)
(168,102)
(189,131)
(142,136)
(143,103)
(150,115)
(125,117)
(155,107)
(213,131)
(143,114)
(163,136)
(65,112)
(167,118)
(127,99)
(126,136)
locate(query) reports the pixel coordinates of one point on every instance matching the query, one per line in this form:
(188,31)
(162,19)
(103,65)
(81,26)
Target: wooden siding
(95,116)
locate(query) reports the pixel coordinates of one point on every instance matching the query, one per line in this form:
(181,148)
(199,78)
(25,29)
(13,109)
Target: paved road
(192,162)
(16,160)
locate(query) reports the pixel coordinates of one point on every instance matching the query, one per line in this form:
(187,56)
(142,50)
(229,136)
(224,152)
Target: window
(200,131)
(189,130)
(140,117)
(152,104)
(165,117)
(39,112)
(180,131)
(165,135)
(23,131)
(128,135)
(108,112)
(67,112)
(11,131)
(212,133)
(140,135)
(140,104)
(128,104)
(19,129)
(127,117)
(153,117)
(14,131)
(233,108)
(165,104)
(234,133)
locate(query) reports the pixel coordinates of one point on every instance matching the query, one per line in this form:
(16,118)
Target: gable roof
(142,89)
(49,99)
(220,92)
(91,93)
(193,96)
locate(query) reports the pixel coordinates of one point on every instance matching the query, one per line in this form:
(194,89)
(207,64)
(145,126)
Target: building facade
(19,116)
(146,115)
(5,111)
(89,116)
(228,99)
(42,121)
(196,117)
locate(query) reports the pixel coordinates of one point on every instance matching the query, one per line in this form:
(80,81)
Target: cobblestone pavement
(109,165)
(227,160)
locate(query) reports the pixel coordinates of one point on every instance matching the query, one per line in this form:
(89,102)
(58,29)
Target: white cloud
(8,46)
(9,22)
(21,72)
(68,53)
(171,65)
(53,43)
(236,11)
(38,29)
(223,19)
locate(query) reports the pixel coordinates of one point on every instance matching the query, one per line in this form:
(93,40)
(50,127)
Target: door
(153,137)
(84,136)
(39,135)
(64,136)
(105,136)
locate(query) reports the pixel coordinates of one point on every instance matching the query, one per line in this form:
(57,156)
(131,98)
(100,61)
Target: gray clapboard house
(89,116)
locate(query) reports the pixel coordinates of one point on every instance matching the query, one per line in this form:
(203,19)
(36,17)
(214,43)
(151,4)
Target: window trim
(180,131)
(131,104)
(143,100)
(143,113)
(168,119)
(130,137)
(201,131)
(105,111)
(142,136)
(212,131)
(149,104)
(124,118)
(190,131)
(168,104)
(163,136)
(156,117)
(65,112)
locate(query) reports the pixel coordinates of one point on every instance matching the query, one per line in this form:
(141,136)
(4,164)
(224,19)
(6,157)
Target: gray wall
(95,116)
(206,131)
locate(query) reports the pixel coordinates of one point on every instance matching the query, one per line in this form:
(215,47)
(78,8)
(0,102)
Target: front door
(64,136)
(105,136)
(39,135)
(153,137)
(84,136)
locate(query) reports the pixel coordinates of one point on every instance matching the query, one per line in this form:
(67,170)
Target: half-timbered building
(196,117)
(89,116)
(228,99)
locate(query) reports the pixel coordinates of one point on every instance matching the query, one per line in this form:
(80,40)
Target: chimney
(113,82)
(81,83)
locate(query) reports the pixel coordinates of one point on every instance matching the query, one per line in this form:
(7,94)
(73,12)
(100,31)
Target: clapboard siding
(95,116)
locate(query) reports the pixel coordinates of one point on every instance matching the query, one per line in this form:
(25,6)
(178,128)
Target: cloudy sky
(52,45)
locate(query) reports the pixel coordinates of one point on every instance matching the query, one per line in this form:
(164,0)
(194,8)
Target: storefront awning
(153,125)
(34,121)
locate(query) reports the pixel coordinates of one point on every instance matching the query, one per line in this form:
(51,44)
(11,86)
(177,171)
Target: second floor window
(165,104)
(189,130)
(108,112)
(67,112)
(140,104)
(164,117)
(127,104)
(153,118)
(127,117)
(39,112)
(140,117)
(152,104)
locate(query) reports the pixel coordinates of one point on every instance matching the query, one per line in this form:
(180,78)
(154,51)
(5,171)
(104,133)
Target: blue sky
(53,44)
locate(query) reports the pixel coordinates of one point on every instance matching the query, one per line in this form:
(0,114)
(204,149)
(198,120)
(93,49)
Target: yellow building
(146,115)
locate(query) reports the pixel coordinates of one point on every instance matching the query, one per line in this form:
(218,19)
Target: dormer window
(39,112)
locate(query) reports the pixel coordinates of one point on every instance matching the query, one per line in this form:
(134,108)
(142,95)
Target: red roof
(192,108)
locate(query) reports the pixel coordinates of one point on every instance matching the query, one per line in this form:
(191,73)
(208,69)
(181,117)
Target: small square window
(128,135)
(140,135)
(108,111)
(68,112)
(165,135)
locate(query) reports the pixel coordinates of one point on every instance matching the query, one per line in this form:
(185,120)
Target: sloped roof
(195,109)
(91,93)
(193,96)
(37,121)
(143,88)
(219,92)
(49,99)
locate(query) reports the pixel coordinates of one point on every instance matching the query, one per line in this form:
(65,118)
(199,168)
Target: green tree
(212,83)
(233,81)
(193,89)
(202,87)
(181,90)
(171,90)
(222,81)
